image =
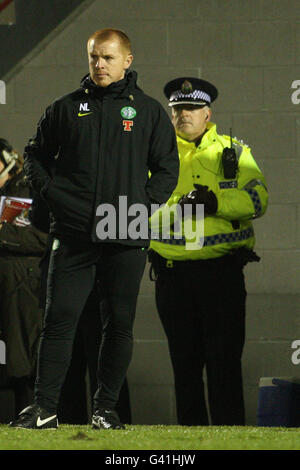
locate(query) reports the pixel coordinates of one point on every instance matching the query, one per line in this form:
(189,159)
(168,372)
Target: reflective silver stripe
(238,150)
(251,184)
(212,240)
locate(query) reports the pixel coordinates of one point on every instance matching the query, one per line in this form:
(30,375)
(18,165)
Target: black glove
(200,195)
(243,255)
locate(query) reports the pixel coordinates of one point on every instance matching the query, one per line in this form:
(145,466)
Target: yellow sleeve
(249,199)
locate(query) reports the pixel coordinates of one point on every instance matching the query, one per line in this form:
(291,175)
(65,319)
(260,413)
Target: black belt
(239,256)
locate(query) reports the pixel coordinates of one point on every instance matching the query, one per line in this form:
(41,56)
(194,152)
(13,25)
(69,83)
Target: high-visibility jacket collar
(207,138)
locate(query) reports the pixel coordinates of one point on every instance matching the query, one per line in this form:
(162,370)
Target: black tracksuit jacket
(96,144)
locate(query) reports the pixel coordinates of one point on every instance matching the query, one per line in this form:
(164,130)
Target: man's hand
(200,195)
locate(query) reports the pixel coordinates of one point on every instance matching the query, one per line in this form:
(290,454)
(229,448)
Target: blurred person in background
(21,247)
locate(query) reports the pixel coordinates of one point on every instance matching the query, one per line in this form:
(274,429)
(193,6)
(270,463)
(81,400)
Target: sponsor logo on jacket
(84,110)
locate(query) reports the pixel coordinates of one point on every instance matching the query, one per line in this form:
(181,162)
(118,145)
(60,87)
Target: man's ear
(128,61)
(173,116)
(208,114)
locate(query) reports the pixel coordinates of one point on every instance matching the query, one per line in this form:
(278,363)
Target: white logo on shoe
(40,422)
(104,423)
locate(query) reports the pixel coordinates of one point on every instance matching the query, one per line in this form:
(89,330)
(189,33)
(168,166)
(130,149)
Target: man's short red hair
(109,33)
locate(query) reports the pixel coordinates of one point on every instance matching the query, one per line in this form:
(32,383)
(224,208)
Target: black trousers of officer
(202,308)
(73,268)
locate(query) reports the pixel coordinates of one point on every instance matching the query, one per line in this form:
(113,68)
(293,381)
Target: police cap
(188,90)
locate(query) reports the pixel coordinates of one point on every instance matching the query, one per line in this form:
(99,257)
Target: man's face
(108,61)
(190,120)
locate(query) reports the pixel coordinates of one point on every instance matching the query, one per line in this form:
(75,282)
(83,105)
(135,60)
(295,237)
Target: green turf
(68,437)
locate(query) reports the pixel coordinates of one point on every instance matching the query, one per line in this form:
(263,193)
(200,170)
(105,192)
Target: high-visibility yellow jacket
(240,200)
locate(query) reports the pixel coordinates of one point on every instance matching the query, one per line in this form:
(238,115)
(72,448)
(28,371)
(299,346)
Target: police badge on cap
(188,90)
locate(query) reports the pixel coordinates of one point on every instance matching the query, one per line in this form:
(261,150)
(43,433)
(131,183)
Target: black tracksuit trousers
(73,268)
(202,308)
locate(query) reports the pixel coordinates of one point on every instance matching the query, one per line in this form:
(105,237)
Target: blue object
(279,402)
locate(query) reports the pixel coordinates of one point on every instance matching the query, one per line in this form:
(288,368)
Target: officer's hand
(200,195)
(206,197)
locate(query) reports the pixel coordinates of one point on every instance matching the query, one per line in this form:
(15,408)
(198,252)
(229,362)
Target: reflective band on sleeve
(254,183)
(229,237)
(256,201)
(212,240)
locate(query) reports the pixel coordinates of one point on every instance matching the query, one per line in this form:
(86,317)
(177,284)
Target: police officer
(200,289)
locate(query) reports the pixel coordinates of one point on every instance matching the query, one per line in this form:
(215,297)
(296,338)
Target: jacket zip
(99,167)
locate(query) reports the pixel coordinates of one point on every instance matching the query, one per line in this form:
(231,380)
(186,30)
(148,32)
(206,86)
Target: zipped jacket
(96,147)
(240,200)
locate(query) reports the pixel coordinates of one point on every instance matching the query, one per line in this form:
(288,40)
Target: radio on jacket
(229,162)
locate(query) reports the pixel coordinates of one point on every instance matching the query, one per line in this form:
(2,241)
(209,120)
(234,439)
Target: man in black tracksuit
(90,160)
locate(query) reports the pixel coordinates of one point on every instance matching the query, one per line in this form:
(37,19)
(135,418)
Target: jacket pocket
(68,206)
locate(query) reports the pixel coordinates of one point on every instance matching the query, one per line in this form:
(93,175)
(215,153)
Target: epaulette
(235,141)
(238,145)
(240,141)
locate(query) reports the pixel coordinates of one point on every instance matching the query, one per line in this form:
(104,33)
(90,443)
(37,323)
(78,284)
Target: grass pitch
(138,437)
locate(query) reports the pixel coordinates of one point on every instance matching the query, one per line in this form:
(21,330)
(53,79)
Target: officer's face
(108,61)
(190,120)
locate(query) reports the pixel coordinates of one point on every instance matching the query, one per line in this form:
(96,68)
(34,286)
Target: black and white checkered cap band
(196,95)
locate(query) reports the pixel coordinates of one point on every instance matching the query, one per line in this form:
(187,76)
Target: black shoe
(106,419)
(35,417)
